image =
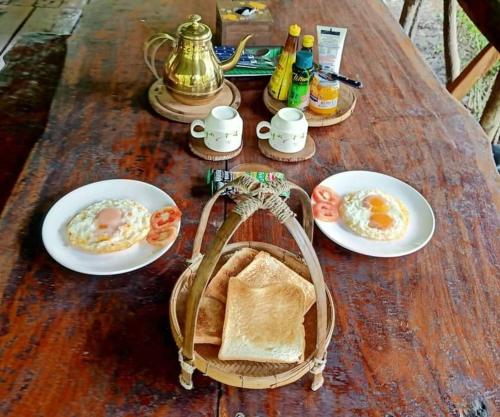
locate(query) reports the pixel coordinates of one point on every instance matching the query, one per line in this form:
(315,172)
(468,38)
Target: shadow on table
(27,86)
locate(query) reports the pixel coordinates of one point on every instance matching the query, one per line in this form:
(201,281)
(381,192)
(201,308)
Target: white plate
(421,221)
(135,257)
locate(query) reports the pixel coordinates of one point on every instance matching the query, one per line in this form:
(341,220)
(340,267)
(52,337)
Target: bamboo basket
(189,289)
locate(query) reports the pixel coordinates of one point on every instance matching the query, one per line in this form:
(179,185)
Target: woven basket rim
(209,368)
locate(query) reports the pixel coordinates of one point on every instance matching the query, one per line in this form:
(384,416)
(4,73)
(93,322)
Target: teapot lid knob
(194,30)
(195,18)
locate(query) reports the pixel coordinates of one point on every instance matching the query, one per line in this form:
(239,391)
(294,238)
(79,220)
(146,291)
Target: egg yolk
(381,221)
(108,221)
(376,204)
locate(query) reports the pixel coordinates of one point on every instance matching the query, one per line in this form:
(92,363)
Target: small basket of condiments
(251,314)
(325,96)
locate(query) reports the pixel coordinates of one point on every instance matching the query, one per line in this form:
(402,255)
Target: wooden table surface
(415,336)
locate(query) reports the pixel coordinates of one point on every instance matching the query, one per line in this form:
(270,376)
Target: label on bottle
(282,77)
(298,95)
(324,95)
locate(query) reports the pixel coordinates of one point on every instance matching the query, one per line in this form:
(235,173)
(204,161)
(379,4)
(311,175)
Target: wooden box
(232,27)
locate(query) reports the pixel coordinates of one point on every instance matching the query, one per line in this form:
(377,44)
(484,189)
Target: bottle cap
(304,59)
(308,41)
(294,30)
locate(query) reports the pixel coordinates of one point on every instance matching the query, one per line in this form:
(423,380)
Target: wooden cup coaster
(199,148)
(165,104)
(346,104)
(306,153)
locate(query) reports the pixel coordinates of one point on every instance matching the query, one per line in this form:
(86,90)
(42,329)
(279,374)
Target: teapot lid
(194,29)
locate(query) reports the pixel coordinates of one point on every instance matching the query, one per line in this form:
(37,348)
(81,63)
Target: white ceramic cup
(222,129)
(287,130)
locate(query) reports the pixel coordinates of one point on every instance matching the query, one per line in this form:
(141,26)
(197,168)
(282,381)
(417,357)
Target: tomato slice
(162,237)
(326,212)
(165,217)
(322,194)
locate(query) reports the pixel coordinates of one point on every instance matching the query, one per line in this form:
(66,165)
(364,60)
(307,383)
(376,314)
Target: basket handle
(243,210)
(305,202)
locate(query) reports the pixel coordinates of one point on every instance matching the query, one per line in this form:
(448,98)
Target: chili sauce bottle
(279,85)
(298,96)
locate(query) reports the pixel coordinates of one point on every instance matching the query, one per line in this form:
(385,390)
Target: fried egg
(374,215)
(108,226)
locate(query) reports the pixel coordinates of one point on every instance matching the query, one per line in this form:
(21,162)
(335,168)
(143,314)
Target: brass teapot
(192,72)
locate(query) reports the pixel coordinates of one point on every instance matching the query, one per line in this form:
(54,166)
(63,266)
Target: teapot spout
(230,63)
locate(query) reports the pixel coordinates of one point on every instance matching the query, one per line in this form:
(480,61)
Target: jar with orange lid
(324,96)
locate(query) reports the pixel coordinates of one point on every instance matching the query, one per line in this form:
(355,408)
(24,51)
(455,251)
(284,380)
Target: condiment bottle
(307,43)
(324,96)
(298,95)
(279,85)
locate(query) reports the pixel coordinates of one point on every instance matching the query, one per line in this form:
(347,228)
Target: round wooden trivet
(306,153)
(199,148)
(167,106)
(347,102)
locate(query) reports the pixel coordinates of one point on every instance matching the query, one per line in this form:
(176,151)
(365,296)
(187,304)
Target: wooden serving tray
(347,102)
(167,106)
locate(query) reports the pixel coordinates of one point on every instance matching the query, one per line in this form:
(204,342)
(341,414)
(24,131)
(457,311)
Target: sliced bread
(263,324)
(211,313)
(266,270)
(217,287)
(210,321)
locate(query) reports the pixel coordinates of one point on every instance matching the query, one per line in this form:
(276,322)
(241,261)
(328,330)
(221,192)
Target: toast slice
(210,321)
(263,324)
(266,270)
(217,287)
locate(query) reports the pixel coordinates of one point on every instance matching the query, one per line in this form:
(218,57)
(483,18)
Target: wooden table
(415,336)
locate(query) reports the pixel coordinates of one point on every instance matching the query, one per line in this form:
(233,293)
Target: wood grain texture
(415,336)
(11,18)
(26,96)
(407,341)
(52,19)
(76,345)
(19,2)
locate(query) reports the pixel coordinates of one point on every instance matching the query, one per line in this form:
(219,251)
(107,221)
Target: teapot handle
(152,45)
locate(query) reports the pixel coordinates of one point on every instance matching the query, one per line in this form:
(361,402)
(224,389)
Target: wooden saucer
(346,104)
(199,148)
(167,106)
(306,153)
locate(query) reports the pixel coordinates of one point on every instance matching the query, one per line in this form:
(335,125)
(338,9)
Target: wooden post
(409,16)
(490,120)
(479,66)
(451,57)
